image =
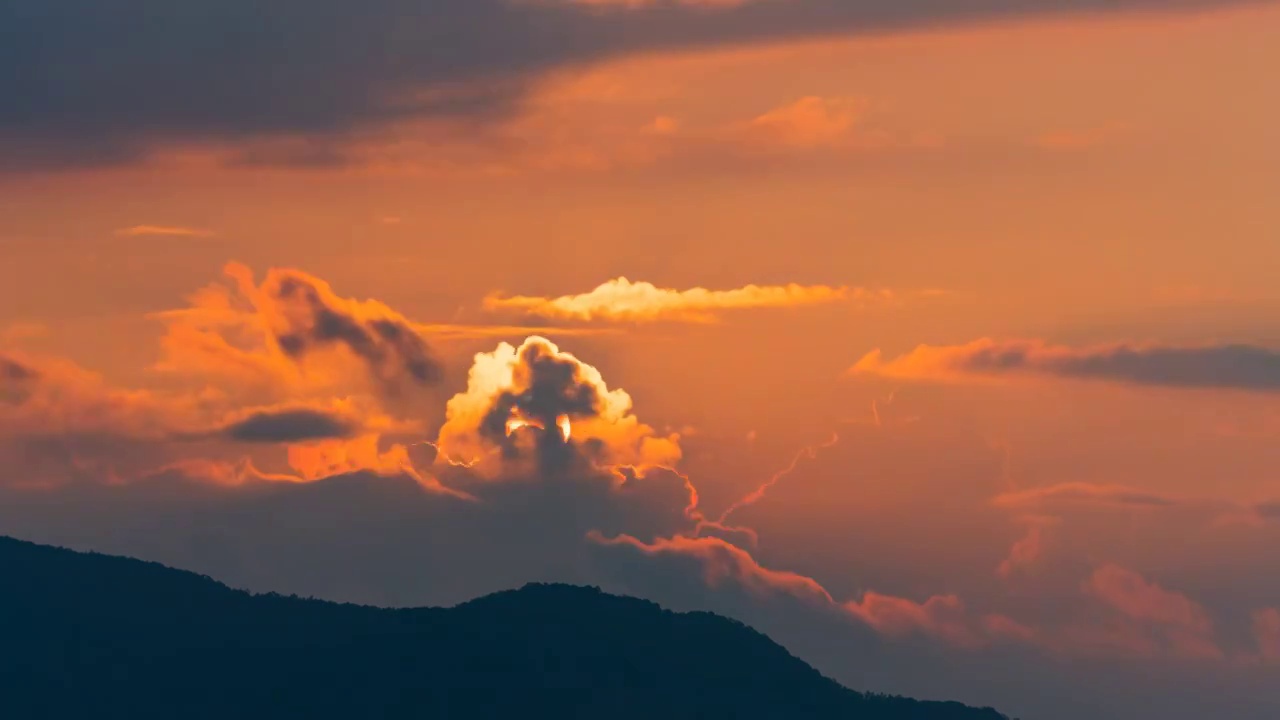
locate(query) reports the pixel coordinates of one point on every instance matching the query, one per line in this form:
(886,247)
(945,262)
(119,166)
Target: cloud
(522,515)
(724,566)
(621,300)
(292,336)
(943,616)
(174,231)
(316,318)
(1185,625)
(283,362)
(90,84)
(808,123)
(289,426)
(1234,367)
(1025,551)
(358,507)
(217,472)
(1080,493)
(722,562)
(535,403)
(286,329)
(53,396)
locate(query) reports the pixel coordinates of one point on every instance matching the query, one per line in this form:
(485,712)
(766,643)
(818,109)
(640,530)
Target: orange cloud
(170,230)
(1025,552)
(1185,624)
(293,332)
(55,396)
(1241,367)
(220,472)
(1081,493)
(622,300)
(291,335)
(810,122)
(326,458)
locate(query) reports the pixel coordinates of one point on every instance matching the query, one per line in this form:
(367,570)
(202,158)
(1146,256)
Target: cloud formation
(537,403)
(287,471)
(621,300)
(94,84)
(291,330)
(1233,367)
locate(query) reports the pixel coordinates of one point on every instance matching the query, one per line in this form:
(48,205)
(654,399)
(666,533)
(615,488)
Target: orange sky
(1024,272)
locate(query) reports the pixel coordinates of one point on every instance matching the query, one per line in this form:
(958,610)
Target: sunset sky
(938,340)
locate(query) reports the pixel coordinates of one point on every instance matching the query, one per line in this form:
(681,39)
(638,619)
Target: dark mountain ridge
(89,635)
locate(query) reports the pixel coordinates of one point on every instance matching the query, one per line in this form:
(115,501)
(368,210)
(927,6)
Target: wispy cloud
(1081,493)
(1228,366)
(170,230)
(621,299)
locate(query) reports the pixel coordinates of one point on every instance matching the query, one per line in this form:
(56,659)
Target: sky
(939,341)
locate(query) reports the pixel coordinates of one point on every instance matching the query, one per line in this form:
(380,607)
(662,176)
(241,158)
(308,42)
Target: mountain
(89,635)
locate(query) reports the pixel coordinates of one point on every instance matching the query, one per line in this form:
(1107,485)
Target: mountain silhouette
(88,635)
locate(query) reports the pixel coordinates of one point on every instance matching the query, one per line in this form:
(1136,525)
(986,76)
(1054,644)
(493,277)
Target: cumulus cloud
(537,403)
(1236,367)
(520,514)
(288,362)
(623,300)
(541,471)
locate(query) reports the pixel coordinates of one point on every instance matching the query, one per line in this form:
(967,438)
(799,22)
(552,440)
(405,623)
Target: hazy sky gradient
(936,340)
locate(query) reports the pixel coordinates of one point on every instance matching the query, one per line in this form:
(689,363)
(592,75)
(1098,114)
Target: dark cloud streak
(387,345)
(88,82)
(1243,367)
(286,426)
